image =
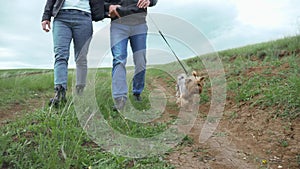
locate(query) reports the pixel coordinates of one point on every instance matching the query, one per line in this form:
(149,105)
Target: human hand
(143,3)
(113,11)
(46,25)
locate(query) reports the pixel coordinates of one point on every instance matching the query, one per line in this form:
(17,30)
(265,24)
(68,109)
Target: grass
(127,126)
(54,138)
(46,139)
(268,83)
(16,88)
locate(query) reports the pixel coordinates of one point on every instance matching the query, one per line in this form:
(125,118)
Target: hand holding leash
(143,3)
(113,11)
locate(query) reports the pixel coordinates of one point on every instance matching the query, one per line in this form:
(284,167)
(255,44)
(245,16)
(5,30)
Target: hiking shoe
(137,97)
(63,98)
(79,89)
(119,104)
(59,97)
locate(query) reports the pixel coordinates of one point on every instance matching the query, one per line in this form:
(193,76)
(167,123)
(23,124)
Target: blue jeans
(68,25)
(120,34)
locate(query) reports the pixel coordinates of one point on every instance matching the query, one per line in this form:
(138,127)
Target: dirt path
(250,139)
(218,152)
(16,110)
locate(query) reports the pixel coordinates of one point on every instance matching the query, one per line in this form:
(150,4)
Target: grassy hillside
(264,77)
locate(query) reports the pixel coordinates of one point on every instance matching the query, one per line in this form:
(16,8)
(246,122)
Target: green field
(264,76)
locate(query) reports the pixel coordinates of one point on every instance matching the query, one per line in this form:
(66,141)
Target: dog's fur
(187,86)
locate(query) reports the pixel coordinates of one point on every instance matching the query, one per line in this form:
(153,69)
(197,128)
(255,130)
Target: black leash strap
(162,35)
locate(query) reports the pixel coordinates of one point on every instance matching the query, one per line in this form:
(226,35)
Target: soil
(17,110)
(245,141)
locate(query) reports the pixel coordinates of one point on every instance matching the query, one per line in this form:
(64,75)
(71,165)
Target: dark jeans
(120,35)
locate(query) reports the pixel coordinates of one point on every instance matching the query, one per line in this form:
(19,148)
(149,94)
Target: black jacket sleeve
(48,10)
(153,3)
(97,9)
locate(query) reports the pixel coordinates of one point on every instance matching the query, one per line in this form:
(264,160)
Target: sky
(224,23)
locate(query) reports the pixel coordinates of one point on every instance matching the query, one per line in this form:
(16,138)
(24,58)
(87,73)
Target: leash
(168,44)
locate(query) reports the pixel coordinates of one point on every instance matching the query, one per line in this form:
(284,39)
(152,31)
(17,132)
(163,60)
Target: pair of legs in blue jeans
(120,35)
(71,25)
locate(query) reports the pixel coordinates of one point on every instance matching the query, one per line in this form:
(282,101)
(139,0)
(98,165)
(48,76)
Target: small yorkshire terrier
(186,87)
